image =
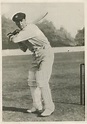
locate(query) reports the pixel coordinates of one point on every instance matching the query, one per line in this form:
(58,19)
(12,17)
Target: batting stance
(31,37)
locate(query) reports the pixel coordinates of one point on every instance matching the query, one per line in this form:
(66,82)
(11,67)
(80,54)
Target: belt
(43,47)
(35,51)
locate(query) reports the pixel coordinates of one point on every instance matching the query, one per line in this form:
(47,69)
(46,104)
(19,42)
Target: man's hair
(19,17)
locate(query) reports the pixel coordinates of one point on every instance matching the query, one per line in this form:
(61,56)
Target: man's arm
(21,45)
(29,32)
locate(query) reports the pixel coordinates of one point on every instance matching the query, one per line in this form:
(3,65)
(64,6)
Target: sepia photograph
(43,61)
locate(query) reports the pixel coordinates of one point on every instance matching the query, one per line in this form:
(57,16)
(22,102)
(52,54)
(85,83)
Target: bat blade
(44,16)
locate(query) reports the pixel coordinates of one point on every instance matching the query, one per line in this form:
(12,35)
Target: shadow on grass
(4,108)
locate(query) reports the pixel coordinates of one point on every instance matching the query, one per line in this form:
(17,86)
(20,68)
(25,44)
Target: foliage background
(57,37)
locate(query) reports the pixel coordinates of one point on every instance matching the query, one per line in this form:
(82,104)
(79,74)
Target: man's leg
(36,96)
(42,78)
(47,97)
(33,109)
(35,92)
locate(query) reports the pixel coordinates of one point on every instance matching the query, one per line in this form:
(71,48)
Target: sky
(68,15)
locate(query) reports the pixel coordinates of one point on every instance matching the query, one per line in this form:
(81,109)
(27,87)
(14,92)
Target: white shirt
(33,34)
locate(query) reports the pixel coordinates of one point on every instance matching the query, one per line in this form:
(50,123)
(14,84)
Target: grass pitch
(64,83)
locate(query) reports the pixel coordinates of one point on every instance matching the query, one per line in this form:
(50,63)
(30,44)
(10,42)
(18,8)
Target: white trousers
(38,81)
(42,91)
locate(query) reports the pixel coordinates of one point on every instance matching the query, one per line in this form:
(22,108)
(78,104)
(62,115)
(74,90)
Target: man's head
(20,20)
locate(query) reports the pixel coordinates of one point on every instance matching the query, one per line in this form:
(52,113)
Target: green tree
(79,38)
(65,37)
(7,26)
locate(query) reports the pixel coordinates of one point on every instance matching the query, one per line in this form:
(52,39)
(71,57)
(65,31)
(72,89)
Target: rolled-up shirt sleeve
(27,33)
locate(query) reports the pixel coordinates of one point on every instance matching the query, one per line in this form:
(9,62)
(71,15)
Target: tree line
(57,37)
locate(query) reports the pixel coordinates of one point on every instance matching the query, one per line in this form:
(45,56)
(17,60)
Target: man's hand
(9,35)
(16,31)
(12,34)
